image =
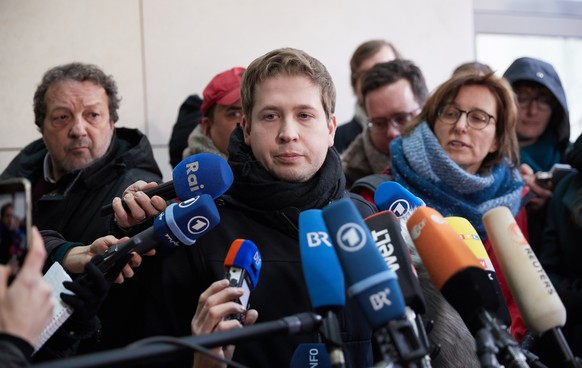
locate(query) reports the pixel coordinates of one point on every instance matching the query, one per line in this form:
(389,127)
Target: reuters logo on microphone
(516,235)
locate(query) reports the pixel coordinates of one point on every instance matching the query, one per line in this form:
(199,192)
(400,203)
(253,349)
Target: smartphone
(238,277)
(549,179)
(15,222)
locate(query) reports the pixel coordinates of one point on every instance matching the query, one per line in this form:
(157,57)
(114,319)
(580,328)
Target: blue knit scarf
(421,165)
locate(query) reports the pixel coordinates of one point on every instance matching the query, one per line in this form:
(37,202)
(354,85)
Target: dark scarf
(257,188)
(544,153)
(420,164)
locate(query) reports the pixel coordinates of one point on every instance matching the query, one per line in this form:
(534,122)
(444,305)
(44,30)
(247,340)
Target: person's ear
(331,126)
(205,123)
(494,146)
(246,127)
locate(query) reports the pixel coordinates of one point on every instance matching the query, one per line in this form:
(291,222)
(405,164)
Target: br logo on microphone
(351,237)
(380,299)
(198,225)
(316,238)
(400,207)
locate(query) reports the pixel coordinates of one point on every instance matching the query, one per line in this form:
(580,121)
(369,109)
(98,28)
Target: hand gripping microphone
(459,276)
(371,282)
(536,297)
(324,280)
(179,224)
(202,173)
(386,232)
(394,197)
(469,235)
(242,267)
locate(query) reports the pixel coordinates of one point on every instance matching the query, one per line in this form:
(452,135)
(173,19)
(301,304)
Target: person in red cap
(221,110)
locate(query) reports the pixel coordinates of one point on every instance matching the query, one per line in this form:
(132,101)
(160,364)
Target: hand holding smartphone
(15,222)
(549,179)
(242,267)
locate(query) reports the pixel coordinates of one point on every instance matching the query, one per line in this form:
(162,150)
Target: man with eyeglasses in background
(393,93)
(543,131)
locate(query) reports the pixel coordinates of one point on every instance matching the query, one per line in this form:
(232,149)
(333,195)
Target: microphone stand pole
(295,324)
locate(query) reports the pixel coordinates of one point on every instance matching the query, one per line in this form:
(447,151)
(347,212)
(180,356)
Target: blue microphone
(394,197)
(372,283)
(369,280)
(310,355)
(179,224)
(324,279)
(321,268)
(202,173)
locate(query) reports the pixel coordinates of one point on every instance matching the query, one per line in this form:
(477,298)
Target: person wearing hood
(221,111)
(543,131)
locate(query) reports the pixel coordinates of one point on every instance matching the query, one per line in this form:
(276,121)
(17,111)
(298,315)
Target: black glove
(90,290)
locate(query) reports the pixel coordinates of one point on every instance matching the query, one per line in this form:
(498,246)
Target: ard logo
(351,237)
(198,225)
(400,207)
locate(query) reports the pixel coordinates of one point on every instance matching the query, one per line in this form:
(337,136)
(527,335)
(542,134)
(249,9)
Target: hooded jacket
(534,70)
(73,207)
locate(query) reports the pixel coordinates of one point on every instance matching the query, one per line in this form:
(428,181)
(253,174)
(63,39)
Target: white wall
(161,51)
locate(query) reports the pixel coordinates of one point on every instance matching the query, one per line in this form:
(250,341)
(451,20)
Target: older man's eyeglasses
(396,121)
(476,119)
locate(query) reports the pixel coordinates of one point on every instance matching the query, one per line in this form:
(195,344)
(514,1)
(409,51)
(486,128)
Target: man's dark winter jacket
(73,207)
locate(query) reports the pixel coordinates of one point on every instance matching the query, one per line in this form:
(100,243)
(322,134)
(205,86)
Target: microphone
(310,355)
(167,349)
(469,235)
(459,276)
(537,299)
(179,224)
(386,231)
(392,196)
(324,279)
(371,282)
(243,265)
(202,173)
